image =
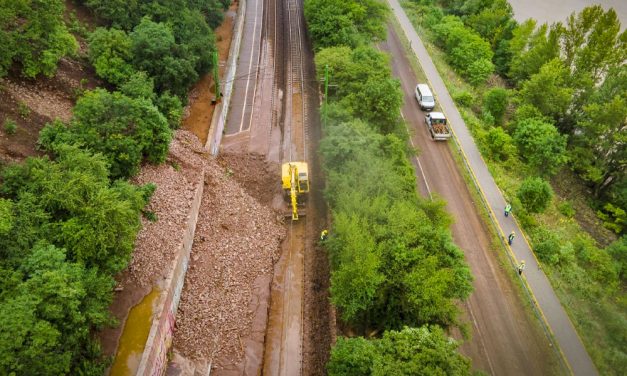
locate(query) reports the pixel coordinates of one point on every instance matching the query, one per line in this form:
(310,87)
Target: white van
(425,97)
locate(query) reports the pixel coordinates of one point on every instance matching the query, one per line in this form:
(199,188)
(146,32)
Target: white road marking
(250,64)
(424,178)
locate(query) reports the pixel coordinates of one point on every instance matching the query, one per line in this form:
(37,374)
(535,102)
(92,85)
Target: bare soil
(33,103)
(199,111)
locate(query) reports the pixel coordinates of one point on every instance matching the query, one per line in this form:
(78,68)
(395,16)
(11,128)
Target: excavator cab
(295,179)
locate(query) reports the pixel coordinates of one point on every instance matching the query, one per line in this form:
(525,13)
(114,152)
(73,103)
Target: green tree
(393,261)
(410,351)
(593,43)
(599,147)
(171,107)
(530,49)
(110,53)
(547,90)
(500,144)
(495,102)
(541,145)
(535,194)
(70,203)
(345,23)
(48,317)
(467,51)
(364,82)
(121,13)
(352,356)
(33,34)
(156,52)
(139,85)
(125,130)
(6,216)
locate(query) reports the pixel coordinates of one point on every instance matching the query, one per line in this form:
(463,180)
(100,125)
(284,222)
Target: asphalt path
(245,85)
(536,281)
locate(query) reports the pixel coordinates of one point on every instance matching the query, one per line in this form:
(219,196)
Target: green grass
(599,316)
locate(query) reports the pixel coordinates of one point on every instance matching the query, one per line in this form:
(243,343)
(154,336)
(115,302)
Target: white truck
(438,126)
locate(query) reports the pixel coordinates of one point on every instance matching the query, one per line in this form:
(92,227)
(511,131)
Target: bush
(10,126)
(410,351)
(546,246)
(535,194)
(495,102)
(33,34)
(110,54)
(566,208)
(541,145)
(463,98)
(500,144)
(124,130)
(479,71)
(156,52)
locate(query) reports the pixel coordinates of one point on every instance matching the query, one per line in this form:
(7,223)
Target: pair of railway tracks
(284,22)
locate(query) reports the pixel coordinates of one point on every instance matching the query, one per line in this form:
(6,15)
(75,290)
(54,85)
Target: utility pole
(326,92)
(216,75)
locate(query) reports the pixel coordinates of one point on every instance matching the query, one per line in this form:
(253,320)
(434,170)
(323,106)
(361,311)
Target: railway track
(284,336)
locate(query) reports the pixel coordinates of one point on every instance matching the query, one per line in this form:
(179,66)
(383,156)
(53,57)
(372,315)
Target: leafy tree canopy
(547,90)
(110,53)
(71,204)
(125,130)
(535,194)
(541,145)
(33,34)
(345,23)
(410,351)
(156,52)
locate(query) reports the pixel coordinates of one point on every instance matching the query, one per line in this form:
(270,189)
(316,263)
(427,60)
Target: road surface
(557,319)
(505,338)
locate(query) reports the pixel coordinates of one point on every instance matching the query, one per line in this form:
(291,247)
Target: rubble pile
(237,243)
(176,180)
(258,177)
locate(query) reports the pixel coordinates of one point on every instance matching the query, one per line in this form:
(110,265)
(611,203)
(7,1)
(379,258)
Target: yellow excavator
(295,177)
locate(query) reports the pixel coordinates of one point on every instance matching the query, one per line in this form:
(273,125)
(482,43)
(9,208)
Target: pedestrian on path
(508,209)
(510,238)
(521,267)
(323,235)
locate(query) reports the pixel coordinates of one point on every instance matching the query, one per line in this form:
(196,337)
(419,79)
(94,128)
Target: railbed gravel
(237,240)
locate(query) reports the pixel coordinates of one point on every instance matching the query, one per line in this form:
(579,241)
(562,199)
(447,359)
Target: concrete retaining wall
(222,109)
(154,359)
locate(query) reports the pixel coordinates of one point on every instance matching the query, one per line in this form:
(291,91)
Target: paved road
(559,322)
(505,339)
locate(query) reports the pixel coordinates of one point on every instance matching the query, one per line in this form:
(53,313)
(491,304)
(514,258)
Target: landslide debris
(236,245)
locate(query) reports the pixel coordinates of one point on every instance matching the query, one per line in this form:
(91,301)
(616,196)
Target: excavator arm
(294,191)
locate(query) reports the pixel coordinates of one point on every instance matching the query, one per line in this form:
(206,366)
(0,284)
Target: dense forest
(68,220)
